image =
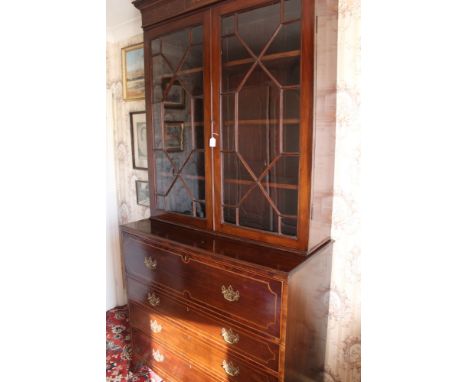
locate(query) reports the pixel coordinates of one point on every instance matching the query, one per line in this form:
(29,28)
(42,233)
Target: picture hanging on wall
(142,193)
(133,73)
(138,134)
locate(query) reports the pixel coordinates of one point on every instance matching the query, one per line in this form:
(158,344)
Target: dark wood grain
(196,279)
(251,254)
(173,313)
(174,367)
(202,352)
(307,317)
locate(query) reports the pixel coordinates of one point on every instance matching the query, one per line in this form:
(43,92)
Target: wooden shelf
(284,186)
(290,121)
(268,57)
(265,184)
(243,61)
(169,175)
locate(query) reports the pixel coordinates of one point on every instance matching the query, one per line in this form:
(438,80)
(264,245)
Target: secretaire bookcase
(228,279)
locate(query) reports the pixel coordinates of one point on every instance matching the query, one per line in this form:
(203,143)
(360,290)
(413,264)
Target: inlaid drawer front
(165,363)
(220,363)
(165,321)
(253,300)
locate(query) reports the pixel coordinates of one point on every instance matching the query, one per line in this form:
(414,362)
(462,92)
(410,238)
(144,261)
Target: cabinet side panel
(306,333)
(324,122)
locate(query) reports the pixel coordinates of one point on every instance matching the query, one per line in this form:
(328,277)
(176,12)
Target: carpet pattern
(119,350)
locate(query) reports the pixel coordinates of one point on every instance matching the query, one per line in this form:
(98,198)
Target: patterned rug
(119,350)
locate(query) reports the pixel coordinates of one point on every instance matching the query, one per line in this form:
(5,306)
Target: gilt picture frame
(133,72)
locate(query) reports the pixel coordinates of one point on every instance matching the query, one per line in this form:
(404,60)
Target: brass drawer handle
(158,357)
(230,294)
(229,336)
(153,299)
(155,327)
(150,263)
(230,369)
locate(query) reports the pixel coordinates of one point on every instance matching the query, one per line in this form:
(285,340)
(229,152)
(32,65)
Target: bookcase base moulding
(229,278)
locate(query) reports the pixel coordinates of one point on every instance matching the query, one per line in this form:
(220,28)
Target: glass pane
(256,27)
(174,46)
(197,35)
(288,39)
(256,212)
(196,187)
(164,172)
(289,226)
(285,171)
(291,138)
(285,200)
(292,9)
(155,46)
(233,76)
(200,210)
(228,126)
(229,215)
(258,121)
(194,59)
(179,199)
(291,103)
(234,191)
(234,50)
(227,26)
(233,168)
(178,116)
(268,118)
(285,70)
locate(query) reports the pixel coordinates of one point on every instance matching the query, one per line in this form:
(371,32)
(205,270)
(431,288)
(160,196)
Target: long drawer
(226,339)
(221,332)
(254,301)
(221,364)
(165,363)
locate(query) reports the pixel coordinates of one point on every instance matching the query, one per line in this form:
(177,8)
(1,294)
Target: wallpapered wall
(344,338)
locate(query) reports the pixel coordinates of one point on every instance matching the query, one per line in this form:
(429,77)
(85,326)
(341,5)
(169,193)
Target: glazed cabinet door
(177,63)
(261,111)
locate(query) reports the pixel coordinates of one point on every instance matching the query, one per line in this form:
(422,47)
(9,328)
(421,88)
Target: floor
(119,350)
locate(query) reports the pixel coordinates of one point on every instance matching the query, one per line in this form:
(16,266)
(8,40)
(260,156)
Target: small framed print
(175,99)
(133,72)
(139,146)
(174,136)
(142,193)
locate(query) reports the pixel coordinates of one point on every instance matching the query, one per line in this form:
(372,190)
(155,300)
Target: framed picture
(138,133)
(176,97)
(142,193)
(133,72)
(174,136)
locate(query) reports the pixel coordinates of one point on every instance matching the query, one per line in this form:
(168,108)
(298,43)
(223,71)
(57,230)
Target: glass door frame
(299,242)
(199,18)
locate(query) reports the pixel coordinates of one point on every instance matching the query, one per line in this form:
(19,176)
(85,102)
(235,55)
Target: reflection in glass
(260,115)
(178,122)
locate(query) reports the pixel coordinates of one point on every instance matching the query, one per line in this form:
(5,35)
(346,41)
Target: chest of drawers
(208,308)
